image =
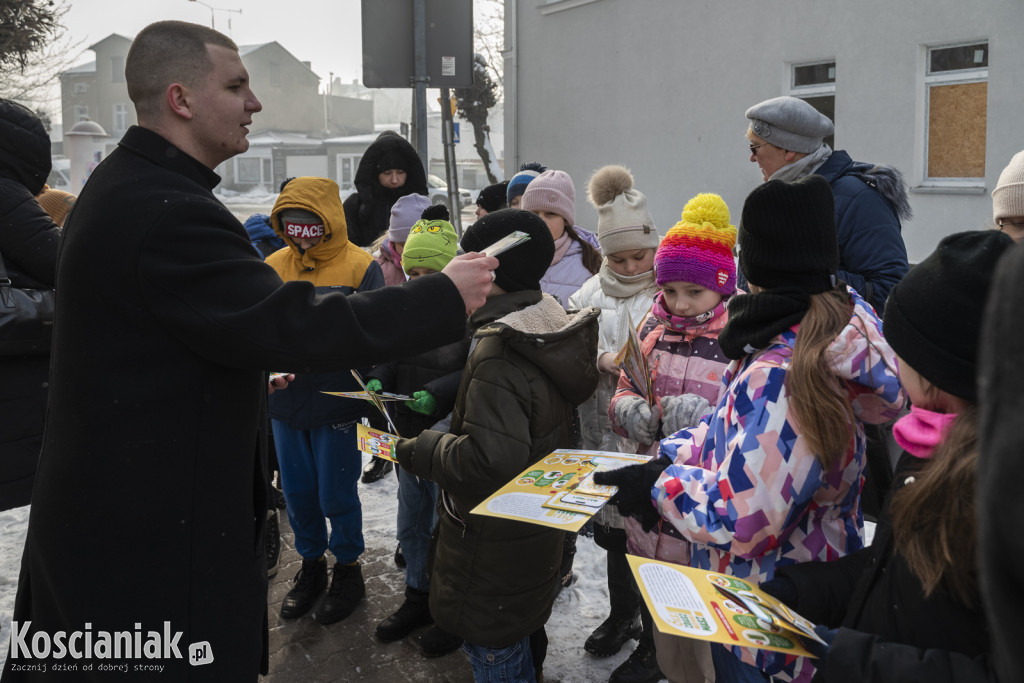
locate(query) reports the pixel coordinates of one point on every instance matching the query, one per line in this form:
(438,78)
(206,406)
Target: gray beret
(789,123)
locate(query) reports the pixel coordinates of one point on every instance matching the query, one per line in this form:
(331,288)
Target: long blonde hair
(820,402)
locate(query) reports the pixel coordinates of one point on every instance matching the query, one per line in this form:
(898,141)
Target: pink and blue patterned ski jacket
(745,488)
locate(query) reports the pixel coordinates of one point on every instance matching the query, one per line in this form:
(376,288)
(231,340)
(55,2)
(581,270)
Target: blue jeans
(729,667)
(320,471)
(512,664)
(417,515)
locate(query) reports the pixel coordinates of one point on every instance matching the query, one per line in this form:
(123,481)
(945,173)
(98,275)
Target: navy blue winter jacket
(869,202)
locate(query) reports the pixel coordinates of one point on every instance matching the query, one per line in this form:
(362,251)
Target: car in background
(437,190)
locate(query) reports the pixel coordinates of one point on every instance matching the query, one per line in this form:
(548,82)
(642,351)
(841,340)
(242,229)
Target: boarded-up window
(956,130)
(957,83)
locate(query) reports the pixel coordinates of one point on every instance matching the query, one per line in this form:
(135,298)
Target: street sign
(388,56)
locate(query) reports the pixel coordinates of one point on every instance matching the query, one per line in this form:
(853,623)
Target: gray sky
(323,32)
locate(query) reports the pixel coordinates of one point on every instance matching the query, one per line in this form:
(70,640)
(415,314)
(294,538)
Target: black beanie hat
(933,315)
(493,197)
(788,235)
(521,267)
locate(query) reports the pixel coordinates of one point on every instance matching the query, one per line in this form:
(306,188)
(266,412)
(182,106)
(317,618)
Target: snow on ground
(13,524)
(578,610)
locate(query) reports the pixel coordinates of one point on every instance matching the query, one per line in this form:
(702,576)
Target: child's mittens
(422,402)
(404,451)
(682,412)
(374,385)
(634,495)
(635,416)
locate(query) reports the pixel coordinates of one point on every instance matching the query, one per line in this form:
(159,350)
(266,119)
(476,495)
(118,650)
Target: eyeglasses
(754,148)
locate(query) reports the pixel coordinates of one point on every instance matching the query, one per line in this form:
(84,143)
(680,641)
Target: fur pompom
(607,183)
(436,212)
(707,208)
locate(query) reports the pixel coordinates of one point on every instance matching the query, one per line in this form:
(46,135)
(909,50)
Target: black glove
(817,649)
(634,495)
(783,589)
(404,450)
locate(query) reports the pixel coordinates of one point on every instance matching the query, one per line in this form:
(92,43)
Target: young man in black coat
(151,492)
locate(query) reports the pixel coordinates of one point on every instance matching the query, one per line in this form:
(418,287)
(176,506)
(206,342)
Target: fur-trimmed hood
(562,344)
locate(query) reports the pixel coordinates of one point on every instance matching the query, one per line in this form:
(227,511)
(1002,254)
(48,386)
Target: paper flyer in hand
(369,395)
(558,491)
(702,604)
(375,442)
(374,398)
(505,243)
(633,362)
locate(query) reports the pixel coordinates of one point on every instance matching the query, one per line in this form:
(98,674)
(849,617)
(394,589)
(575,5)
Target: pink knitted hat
(551,191)
(699,247)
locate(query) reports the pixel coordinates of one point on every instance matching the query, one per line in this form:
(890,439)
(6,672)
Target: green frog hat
(432,242)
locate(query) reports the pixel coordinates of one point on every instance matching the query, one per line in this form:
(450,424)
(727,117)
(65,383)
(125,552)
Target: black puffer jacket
(28,243)
(368,210)
(438,371)
(889,630)
(494,580)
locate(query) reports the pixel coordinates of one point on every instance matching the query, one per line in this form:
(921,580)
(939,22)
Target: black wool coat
(152,492)
(28,243)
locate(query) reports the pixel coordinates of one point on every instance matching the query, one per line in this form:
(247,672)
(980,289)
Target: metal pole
(420,79)
(450,169)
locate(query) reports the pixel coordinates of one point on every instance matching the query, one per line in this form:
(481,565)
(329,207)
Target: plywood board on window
(956,130)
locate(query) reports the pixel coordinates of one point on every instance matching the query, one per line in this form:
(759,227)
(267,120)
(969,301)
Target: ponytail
(591,257)
(819,399)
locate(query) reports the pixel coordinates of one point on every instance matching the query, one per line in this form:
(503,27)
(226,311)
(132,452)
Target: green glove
(422,402)
(374,386)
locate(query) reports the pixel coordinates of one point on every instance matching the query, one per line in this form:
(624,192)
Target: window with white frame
(120,119)
(815,83)
(956,98)
(81,88)
(347,165)
(81,112)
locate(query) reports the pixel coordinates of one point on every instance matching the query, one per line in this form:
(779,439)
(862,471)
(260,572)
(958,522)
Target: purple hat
(404,214)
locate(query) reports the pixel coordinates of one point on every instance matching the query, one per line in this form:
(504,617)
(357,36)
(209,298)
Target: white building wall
(661,87)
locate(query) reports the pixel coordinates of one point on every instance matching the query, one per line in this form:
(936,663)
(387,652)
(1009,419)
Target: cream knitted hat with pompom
(623,221)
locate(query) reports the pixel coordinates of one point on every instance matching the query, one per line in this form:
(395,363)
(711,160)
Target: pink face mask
(920,431)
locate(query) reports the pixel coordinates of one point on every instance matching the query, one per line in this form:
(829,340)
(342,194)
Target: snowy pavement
(305,652)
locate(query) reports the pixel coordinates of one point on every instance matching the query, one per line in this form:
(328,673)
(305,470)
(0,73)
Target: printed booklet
(558,491)
(375,442)
(698,603)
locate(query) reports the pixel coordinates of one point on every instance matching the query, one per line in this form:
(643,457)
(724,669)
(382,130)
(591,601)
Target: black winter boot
(310,583)
(376,470)
(642,665)
(346,592)
(623,623)
(437,642)
(413,613)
